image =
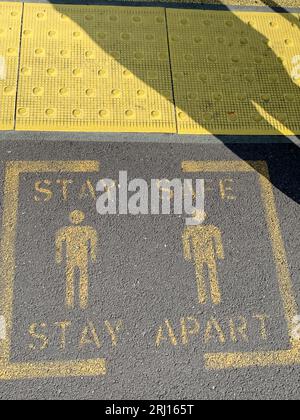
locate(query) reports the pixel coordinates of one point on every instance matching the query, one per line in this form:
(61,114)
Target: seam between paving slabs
(171,70)
(19,64)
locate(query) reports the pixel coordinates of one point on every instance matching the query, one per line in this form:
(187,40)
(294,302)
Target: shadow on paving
(284,167)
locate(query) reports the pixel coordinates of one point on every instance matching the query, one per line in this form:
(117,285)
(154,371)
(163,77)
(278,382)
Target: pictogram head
(77,217)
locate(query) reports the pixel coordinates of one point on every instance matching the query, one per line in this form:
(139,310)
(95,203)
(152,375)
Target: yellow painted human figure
(81,247)
(203,245)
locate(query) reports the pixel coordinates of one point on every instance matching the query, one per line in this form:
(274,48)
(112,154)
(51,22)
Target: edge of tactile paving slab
(243,132)
(96,129)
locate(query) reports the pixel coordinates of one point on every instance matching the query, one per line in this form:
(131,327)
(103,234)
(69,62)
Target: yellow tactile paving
(235,73)
(10,27)
(94,68)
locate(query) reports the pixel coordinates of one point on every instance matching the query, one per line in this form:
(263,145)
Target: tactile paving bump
(235,73)
(10,27)
(94,68)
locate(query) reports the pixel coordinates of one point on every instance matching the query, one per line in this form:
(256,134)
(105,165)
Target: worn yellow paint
(203,245)
(94,68)
(77,239)
(285,284)
(243,360)
(7,272)
(10,28)
(171,334)
(233,72)
(93,367)
(291,356)
(217,166)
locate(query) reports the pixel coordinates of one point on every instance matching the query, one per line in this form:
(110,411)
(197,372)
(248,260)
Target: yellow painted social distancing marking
(9,370)
(77,239)
(271,358)
(93,68)
(203,245)
(14,170)
(10,28)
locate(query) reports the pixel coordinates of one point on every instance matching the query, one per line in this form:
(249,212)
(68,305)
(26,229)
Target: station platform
(182,70)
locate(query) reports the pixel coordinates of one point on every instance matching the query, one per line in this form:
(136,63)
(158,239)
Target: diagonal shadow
(283,157)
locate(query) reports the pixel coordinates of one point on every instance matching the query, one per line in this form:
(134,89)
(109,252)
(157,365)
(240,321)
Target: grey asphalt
(141,277)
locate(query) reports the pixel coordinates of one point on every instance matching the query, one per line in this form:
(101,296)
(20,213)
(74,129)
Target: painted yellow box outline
(269,358)
(98,366)
(10,370)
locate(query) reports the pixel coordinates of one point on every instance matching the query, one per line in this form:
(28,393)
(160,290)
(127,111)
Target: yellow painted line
(94,68)
(260,359)
(234,73)
(10,28)
(93,367)
(283,272)
(287,293)
(218,166)
(10,370)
